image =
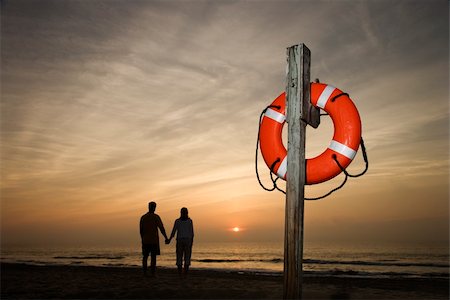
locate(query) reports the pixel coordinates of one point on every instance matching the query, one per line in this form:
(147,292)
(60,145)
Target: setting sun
(236,229)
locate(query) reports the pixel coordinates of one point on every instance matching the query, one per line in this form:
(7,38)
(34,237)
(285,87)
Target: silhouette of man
(150,222)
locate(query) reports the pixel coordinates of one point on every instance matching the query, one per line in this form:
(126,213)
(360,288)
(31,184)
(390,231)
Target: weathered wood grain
(298,98)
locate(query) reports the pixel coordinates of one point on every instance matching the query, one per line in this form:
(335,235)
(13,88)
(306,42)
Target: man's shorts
(150,249)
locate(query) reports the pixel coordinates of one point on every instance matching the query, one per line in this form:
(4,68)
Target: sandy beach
(20,281)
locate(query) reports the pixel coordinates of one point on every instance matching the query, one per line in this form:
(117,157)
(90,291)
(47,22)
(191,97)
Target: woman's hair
(184,213)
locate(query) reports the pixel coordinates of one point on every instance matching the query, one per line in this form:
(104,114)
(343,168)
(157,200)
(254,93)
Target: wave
(390,263)
(365,274)
(210,260)
(213,260)
(90,257)
(279,260)
(376,263)
(345,272)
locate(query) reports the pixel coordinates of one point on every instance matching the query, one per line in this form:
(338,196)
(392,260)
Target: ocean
(344,260)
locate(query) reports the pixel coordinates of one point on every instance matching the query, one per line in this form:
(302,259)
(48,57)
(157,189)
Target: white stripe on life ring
(283,168)
(342,149)
(274,115)
(326,93)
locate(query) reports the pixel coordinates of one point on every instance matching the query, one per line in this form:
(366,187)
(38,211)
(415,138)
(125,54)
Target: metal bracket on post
(300,112)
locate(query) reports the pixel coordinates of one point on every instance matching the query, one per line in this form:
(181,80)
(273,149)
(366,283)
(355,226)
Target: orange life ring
(345,142)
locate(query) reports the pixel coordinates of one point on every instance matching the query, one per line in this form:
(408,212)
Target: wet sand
(20,281)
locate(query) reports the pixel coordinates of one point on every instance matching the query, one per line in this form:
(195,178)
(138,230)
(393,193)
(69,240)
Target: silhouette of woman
(185,238)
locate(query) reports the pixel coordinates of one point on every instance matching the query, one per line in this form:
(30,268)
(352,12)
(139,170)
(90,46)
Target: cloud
(105,104)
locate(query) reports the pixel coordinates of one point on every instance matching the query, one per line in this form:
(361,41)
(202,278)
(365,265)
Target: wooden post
(299,113)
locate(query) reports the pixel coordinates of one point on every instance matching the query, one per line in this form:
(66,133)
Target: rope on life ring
(334,160)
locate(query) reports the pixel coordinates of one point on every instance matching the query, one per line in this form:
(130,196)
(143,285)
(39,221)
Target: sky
(107,105)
